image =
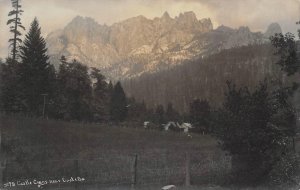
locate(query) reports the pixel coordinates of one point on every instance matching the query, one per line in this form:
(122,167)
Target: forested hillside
(204,78)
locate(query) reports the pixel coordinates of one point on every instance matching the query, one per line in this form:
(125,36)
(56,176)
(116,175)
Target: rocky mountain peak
(273,29)
(80,26)
(79,20)
(138,45)
(225,29)
(188,21)
(206,22)
(134,20)
(166,15)
(189,17)
(244,29)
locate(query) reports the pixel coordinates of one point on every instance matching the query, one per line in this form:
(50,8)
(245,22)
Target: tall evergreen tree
(11,96)
(133,109)
(143,111)
(118,105)
(75,91)
(171,114)
(110,88)
(286,49)
(256,129)
(36,72)
(100,96)
(200,115)
(160,117)
(136,111)
(15,23)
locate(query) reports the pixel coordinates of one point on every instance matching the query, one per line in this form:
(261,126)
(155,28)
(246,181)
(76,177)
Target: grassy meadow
(106,153)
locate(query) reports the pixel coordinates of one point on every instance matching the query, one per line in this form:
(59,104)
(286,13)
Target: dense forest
(30,85)
(205,78)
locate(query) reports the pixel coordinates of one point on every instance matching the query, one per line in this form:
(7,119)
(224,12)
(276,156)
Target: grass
(105,153)
(78,139)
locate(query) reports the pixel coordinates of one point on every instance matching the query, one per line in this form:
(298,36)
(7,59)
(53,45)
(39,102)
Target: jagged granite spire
(166,15)
(140,45)
(273,29)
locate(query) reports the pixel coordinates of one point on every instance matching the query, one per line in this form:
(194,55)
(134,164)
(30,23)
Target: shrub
(255,128)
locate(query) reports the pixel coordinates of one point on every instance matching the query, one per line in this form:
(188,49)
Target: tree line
(257,127)
(204,78)
(30,84)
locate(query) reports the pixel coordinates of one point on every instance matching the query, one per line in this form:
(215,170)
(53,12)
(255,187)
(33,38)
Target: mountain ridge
(140,45)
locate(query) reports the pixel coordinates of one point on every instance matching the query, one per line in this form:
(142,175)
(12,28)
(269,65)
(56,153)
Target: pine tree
(256,129)
(15,23)
(75,91)
(200,115)
(143,111)
(100,96)
(110,88)
(136,111)
(133,109)
(160,117)
(171,114)
(37,75)
(286,49)
(11,96)
(118,105)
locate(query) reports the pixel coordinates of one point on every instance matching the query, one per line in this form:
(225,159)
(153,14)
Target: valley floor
(107,154)
(113,156)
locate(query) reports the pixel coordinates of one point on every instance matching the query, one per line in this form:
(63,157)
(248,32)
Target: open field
(79,140)
(109,154)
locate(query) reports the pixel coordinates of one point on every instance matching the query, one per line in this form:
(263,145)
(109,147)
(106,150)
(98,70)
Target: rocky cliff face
(138,45)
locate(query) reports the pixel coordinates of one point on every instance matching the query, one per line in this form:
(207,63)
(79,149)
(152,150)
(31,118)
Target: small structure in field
(150,125)
(146,124)
(185,127)
(168,187)
(169,125)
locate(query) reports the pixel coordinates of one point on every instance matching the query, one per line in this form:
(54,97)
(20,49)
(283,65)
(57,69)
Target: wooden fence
(115,169)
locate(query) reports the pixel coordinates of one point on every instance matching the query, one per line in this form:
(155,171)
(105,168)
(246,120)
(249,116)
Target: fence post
(76,168)
(2,169)
(165,161)
(294,145)
(187,169)
(2,162)
(134,172)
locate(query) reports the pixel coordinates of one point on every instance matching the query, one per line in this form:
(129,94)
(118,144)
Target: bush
(256,128)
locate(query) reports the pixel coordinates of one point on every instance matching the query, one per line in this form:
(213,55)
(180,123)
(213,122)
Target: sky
(55,14)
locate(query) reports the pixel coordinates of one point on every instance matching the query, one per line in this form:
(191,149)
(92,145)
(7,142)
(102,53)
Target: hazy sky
(55,14)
